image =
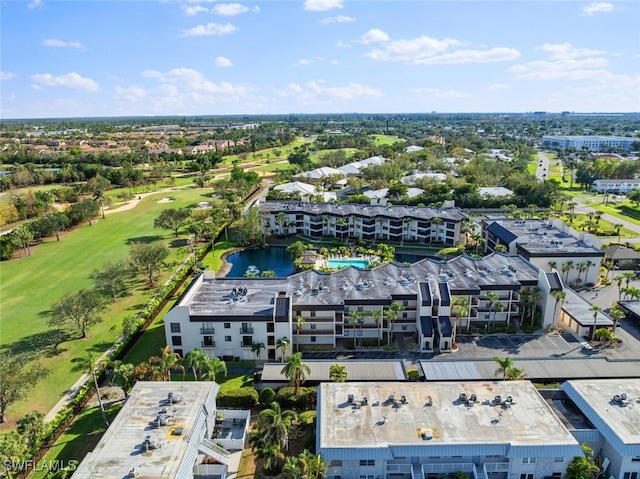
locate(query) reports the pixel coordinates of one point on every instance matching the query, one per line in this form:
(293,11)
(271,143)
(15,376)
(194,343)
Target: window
(528,460)
(271,341)
(227,325)
(313,339)
(405,302)
(360,308)
(175,327)
(630,475)
(558,459)
(270,327)
(526,476)
(313,325)
(312,314)
(176,340)
(405,315)
(346,309)
(635,459)
(227,339)
(179,352)
(207,340)
(207,328)
(367,462)
(405,327)
(336,463)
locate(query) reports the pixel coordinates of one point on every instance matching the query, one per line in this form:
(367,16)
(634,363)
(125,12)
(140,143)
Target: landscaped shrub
(308,417)
(413,374)
(305,399)
(241,397)
(267,396)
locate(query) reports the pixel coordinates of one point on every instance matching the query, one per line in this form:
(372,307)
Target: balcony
(313,332)
(247,330)
(208,344)
(496,466)
(207,331)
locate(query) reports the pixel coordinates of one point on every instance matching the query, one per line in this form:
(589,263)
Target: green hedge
(241,397)
(629,211)
(305,399)
(267,396)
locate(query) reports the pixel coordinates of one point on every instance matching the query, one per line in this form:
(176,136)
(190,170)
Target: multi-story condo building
(590,143)
(369,222)
(616,186)
(167,429)
(549,245)
(225,317)
(612,428)
(487,430)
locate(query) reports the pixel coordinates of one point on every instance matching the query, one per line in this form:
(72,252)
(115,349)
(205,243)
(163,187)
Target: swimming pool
(344,263)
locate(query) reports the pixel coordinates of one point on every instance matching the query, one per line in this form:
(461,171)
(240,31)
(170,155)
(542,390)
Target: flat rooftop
(464,275)
(436,407)
(357,370)
(580,309)
(120,449)
(539,238)
(618,421)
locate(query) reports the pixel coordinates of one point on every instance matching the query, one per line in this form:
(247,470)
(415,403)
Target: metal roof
(554,281)
(445,325)
(426,325)
(369,370)
(535,369)
(501,232)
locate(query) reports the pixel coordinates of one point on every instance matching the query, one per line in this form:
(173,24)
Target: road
(543,166)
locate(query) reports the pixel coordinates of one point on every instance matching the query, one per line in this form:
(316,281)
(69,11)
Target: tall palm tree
(299,324)
(167,361)
(581,267)
(566,268)
(196,360)
(274,425)
(213,367)
(536,294)
(617,227)
(493,300)
(498,308)
(257,348)
(616,315)
(353,318)
(553,264)
(504,365)
(295,370)
(596,309)
(283,345)
(338,373)
(377,318)
(91,363)
(311,465)
(393,313)
(560,297)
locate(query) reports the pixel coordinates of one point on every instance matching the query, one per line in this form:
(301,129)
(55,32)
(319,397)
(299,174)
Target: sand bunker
(166,200)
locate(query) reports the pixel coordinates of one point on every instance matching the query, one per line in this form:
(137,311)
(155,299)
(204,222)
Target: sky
(201,57)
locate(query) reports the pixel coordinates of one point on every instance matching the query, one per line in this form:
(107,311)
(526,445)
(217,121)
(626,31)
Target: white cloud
(374,35)
(321,5)
(564,62)
(7,75)
(426,50)
(192,10)
(208,30)
(8,97)
(70,80)
(34,4)
(499,54)
(179,90)
(497,86)
(223,62)
(597,7)
(314,92)
(338,19)
(308,61)
(56,42)
(412,51)
(439,93)
(231,9)
(335,62)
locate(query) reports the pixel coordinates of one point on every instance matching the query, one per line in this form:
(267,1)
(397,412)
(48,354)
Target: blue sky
(198,57)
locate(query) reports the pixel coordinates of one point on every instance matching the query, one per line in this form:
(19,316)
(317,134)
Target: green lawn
(31,284)
(281,165)
(385,139)
(605,228)
(81,437)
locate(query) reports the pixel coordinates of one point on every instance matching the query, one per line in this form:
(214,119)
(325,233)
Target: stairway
(211,449)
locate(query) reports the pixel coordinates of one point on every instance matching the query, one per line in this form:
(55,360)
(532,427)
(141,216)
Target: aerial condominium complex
(486,430)
(590,143)
(369,222)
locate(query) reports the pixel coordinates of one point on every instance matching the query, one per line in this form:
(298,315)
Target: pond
(272,258)
(409,257)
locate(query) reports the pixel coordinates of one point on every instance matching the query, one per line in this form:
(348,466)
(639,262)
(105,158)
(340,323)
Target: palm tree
(589,265)
(560,297)
(566,268)
(89,362)
(212,367)
(257,348)
(338,373)
(461,307)
(493,300)
(31,427)
(291,469)
(581,267)
(283,345)
(553,264)
(299,324)
(125,371)
(98,196)
(516,374)
(617,227)
(295,370)
(616,315)
(504,365)
(377,318)
(311,465)
(196,360)
(274,425)
(596,309)
(167,361)
(393,313)
(353,318)
(536,294)
(271,457)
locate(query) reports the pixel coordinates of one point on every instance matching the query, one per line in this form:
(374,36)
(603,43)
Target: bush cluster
(305,399)
(245,397)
